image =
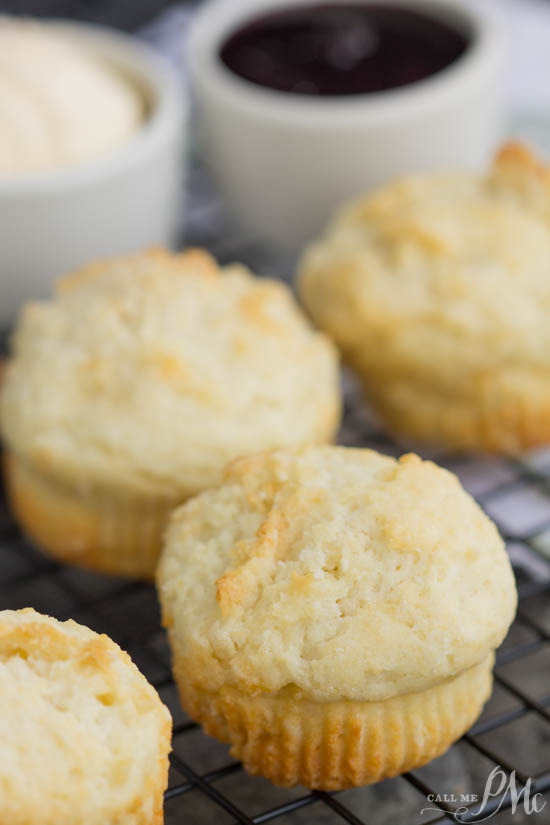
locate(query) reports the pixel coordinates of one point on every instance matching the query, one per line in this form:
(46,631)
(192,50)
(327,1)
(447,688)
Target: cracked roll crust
(436,290)
(84,739)
(149,373)
(337,573)
(137,383)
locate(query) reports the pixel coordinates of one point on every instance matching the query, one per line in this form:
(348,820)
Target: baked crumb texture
(436,290)
(84,739)
(333,612)
(137,383)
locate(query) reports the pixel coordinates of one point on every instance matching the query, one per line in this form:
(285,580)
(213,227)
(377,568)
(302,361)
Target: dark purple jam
(342,49)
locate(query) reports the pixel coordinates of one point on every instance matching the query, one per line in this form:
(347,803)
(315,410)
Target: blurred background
(205,220)
(525,23)
(125,14)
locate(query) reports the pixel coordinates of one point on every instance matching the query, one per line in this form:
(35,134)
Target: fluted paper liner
(337,744)
(92,527)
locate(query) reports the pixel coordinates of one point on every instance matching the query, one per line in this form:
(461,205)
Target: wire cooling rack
(207,787)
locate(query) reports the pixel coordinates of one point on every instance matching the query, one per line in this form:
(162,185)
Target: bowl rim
(218,18)
(152,73)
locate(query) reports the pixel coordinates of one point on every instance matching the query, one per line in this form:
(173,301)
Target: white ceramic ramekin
(120,202)
(285,161)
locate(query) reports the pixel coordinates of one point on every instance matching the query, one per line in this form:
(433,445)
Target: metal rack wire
(207,786)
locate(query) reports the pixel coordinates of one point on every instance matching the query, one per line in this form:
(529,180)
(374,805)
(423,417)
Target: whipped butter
(60,104)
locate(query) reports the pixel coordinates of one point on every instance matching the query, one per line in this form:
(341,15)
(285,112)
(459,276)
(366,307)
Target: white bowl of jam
(305,104)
